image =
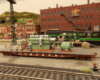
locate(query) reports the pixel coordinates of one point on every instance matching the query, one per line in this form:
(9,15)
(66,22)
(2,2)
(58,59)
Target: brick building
(86,18)
(3,32)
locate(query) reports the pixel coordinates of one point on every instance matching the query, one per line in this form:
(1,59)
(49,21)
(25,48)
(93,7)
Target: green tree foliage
(18,15)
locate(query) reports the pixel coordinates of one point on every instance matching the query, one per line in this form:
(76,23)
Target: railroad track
(26,73)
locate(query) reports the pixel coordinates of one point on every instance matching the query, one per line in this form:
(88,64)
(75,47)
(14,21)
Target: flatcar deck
(78,53)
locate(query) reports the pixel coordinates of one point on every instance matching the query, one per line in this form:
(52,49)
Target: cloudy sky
(35,5)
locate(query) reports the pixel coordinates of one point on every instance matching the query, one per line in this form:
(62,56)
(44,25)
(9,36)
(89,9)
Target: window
(42,13)
(96,8)
(48,13)
(81,25)
(51,20)
(70,11)
(55,19)
(86,25)
(55,12)
(87,10)
(82,10)
(77,25)
(51,26)
(58,12)
(90,24)
(42,20)
(73,18)
(65,11)
(48,20)
(45,20)
(58,19)
(51,12)
(78,18)
(45,26)
(48,26)
(91,9)
(90,17)
(81,17)
(55,26)
(86,17)
(58,26)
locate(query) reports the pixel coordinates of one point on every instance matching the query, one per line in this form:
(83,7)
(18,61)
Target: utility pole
(13,35)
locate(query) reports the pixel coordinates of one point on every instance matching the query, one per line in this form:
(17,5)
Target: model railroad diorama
(45,46)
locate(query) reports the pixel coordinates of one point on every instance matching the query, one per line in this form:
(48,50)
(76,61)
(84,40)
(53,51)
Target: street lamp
(12,21)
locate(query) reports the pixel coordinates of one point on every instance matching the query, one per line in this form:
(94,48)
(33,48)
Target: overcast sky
(35,5)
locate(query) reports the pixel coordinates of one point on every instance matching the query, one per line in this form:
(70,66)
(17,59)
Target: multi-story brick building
(87,18)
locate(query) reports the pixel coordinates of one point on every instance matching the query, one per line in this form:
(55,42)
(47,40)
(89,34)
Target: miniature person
(95,66)
(30,46)
(40,41)
(63,39)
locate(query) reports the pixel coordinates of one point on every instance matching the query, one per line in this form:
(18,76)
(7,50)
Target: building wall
(63,23)
(3,32)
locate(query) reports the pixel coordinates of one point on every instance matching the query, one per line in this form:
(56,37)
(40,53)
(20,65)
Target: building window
(77,25)
(55,26)
(42,13)
(91,9)
(55,12)
(81,25)
(73,18)
(86,25)
(86,17)
(65,11)
(51,12)
(48,26)
(78,18)
(58,19)
(55,19)
(96,8)
(51,26)
(90,17)
(45,20)
(48,20)
(58,26)
(45,26)
(87,10)
(48,13)
(81,17)
(58,12)
(51,20)
(82,10)
(90,24)
(70,11)
(42,20)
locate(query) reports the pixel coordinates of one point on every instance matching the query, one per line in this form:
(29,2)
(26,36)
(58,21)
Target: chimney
(49,7)
(88,2)
(56,5)
(72,4)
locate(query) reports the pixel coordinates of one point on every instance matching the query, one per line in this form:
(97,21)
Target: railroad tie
(83,78)
(51,76)
(70,77)
(34,74)
(24,72)
(4,70)
(18,72)
(29,73)
(58,76)
(14,71)
(8,71)
(41,72)
(45,75)
(1,69)
(64,76)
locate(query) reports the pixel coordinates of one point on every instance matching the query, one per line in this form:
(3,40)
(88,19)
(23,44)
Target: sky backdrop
(35,5)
